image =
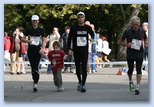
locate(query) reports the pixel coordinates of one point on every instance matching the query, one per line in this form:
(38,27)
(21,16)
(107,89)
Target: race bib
(35,40)
(53,62)
(81,41)
(136,44)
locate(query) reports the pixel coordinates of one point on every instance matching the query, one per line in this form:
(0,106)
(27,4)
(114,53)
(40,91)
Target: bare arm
(123,43)
(44,41)
(24,39)
(146,42)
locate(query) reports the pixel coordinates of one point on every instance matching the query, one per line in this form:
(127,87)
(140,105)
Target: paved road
(102,86)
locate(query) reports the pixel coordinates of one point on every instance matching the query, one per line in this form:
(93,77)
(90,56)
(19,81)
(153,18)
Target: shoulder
(60,51)
(40,29)
(128,30)
(87,26)
(142,30)
(74,27)
(63,34)
(50,52)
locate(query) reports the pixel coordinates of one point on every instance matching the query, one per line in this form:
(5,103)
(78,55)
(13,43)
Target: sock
(130,81)
(137,87)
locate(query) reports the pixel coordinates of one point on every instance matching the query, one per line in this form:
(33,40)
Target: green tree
(109,19)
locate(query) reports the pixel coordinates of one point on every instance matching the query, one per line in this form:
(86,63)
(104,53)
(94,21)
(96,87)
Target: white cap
(145,23)
(81,13)
(35,17)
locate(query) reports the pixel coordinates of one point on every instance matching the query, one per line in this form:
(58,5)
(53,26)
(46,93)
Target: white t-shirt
(99,45)
(52,39)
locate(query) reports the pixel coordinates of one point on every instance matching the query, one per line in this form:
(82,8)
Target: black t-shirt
(80,36)
(130,35)
(38,32)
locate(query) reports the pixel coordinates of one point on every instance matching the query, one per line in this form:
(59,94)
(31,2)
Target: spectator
(99,49)
(7,44)
(93,50)
(135,51)
(16,51)
(54,36)
(89,49)
(145,27)
(106,50)
(68,57)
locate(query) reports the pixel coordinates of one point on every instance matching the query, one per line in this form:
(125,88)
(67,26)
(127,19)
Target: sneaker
(18,73)
(60,88)
(93,71)
(137,92)
(83,89)
(12,73)
(65,71)
(35,88)
(23,72)
(131,86)
(79,87)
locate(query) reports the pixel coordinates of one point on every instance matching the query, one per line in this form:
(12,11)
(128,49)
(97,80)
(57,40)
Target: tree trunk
(122,49)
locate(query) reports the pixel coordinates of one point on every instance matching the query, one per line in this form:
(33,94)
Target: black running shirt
(80,36)
(35,35)
(130,35)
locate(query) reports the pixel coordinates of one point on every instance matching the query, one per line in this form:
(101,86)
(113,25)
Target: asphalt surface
(102,86)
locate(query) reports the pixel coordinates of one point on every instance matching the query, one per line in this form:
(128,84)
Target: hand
(30,41)
(129,44)
(146,45)
(41,51)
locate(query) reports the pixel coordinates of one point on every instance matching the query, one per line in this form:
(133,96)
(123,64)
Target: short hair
(67,27)
(20,29)
(134,18)
(56,43)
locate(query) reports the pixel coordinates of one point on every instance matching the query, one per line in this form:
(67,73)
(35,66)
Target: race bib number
(81,41)
(35,40)
(53,62)
(136,44)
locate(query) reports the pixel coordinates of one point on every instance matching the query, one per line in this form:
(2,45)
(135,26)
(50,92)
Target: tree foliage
(109,19)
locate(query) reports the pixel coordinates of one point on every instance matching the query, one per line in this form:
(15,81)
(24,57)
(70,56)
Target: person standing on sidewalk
(56,56)
(36,40)
(54,36)
(68,57)
(145,27)
(136,42)
(79,35)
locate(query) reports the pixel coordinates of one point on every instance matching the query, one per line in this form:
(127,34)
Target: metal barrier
(47,62)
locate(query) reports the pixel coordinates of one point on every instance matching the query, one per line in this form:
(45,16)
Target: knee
(130,72)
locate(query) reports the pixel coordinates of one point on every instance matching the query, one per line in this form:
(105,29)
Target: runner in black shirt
(79,35)
(136,42)
(36,42)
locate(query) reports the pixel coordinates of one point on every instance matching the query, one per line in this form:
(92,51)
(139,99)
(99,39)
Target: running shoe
(137,92)
(35,88)
(131,86)
(60,88)
(79,87)
(83,89)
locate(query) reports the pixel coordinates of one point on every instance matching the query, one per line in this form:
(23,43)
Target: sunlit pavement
(103,86)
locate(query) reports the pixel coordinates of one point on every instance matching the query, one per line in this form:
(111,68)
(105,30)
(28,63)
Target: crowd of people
(79,44)
(96,52)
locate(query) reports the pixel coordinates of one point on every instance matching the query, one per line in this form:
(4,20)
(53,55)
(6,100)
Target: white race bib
(136,44)
(53,62)
(35,40)
(81,41)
